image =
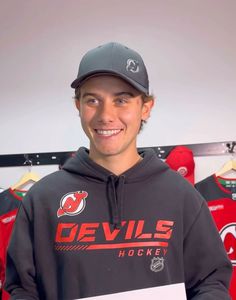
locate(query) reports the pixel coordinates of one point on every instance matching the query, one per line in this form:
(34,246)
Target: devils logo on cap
(132,65)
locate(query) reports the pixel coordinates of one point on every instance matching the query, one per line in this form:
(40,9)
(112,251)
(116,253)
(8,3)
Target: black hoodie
(83,232)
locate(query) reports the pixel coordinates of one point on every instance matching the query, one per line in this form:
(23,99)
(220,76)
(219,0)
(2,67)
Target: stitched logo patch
(72,204)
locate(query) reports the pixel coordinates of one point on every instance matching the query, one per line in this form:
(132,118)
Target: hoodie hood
(82,165)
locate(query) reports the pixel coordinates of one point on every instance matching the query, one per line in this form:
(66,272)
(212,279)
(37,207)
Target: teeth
(108,132)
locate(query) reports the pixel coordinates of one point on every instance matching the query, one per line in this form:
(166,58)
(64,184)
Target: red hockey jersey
(9,204)
(220,194)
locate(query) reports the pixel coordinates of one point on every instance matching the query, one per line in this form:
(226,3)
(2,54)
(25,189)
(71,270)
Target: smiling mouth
(109,132)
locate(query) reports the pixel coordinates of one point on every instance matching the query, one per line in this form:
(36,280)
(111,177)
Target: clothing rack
(58,158)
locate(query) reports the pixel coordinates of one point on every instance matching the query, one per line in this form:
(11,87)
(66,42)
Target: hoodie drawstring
(115,189)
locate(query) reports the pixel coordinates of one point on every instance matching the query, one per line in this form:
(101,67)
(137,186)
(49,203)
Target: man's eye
(92,101)
(121,101)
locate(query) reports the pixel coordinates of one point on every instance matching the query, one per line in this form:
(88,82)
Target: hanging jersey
(220,194)
(9,203)
(9,200)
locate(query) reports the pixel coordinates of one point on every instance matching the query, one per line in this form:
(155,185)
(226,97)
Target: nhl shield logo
(157,264)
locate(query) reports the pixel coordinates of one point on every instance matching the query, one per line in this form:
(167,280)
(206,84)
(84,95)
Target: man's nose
(106,113)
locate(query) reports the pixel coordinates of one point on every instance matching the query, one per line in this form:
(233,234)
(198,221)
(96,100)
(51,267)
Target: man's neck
(117,164)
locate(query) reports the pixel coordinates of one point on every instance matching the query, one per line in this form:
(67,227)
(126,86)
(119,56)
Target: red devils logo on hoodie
(72,204)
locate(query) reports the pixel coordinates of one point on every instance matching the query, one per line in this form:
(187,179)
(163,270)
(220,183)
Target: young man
(114,219)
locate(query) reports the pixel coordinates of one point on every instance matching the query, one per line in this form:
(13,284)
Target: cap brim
(79,81)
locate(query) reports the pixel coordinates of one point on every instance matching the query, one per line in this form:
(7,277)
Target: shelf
(58,158)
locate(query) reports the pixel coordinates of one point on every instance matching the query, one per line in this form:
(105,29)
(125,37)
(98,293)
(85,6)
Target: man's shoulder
(51,178)
(52,183)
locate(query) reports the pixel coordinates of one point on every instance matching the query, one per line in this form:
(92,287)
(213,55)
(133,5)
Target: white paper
(166,292)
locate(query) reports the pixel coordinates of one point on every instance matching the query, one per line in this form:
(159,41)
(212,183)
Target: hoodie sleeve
(207,267)
(20,272)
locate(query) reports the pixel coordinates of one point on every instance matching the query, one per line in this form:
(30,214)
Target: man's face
(111,111)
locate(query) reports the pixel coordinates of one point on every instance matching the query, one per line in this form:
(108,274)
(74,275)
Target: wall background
(189,48)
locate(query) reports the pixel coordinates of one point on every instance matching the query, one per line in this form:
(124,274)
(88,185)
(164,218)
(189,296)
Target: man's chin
(102,153)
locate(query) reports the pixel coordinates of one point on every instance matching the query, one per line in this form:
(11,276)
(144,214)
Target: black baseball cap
(115,59)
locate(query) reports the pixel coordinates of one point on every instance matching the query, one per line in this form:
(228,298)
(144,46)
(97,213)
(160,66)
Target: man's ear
(77,104)
(147,107)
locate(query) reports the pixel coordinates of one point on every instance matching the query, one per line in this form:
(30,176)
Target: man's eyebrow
(90,94)
(124,94)
(115,94)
